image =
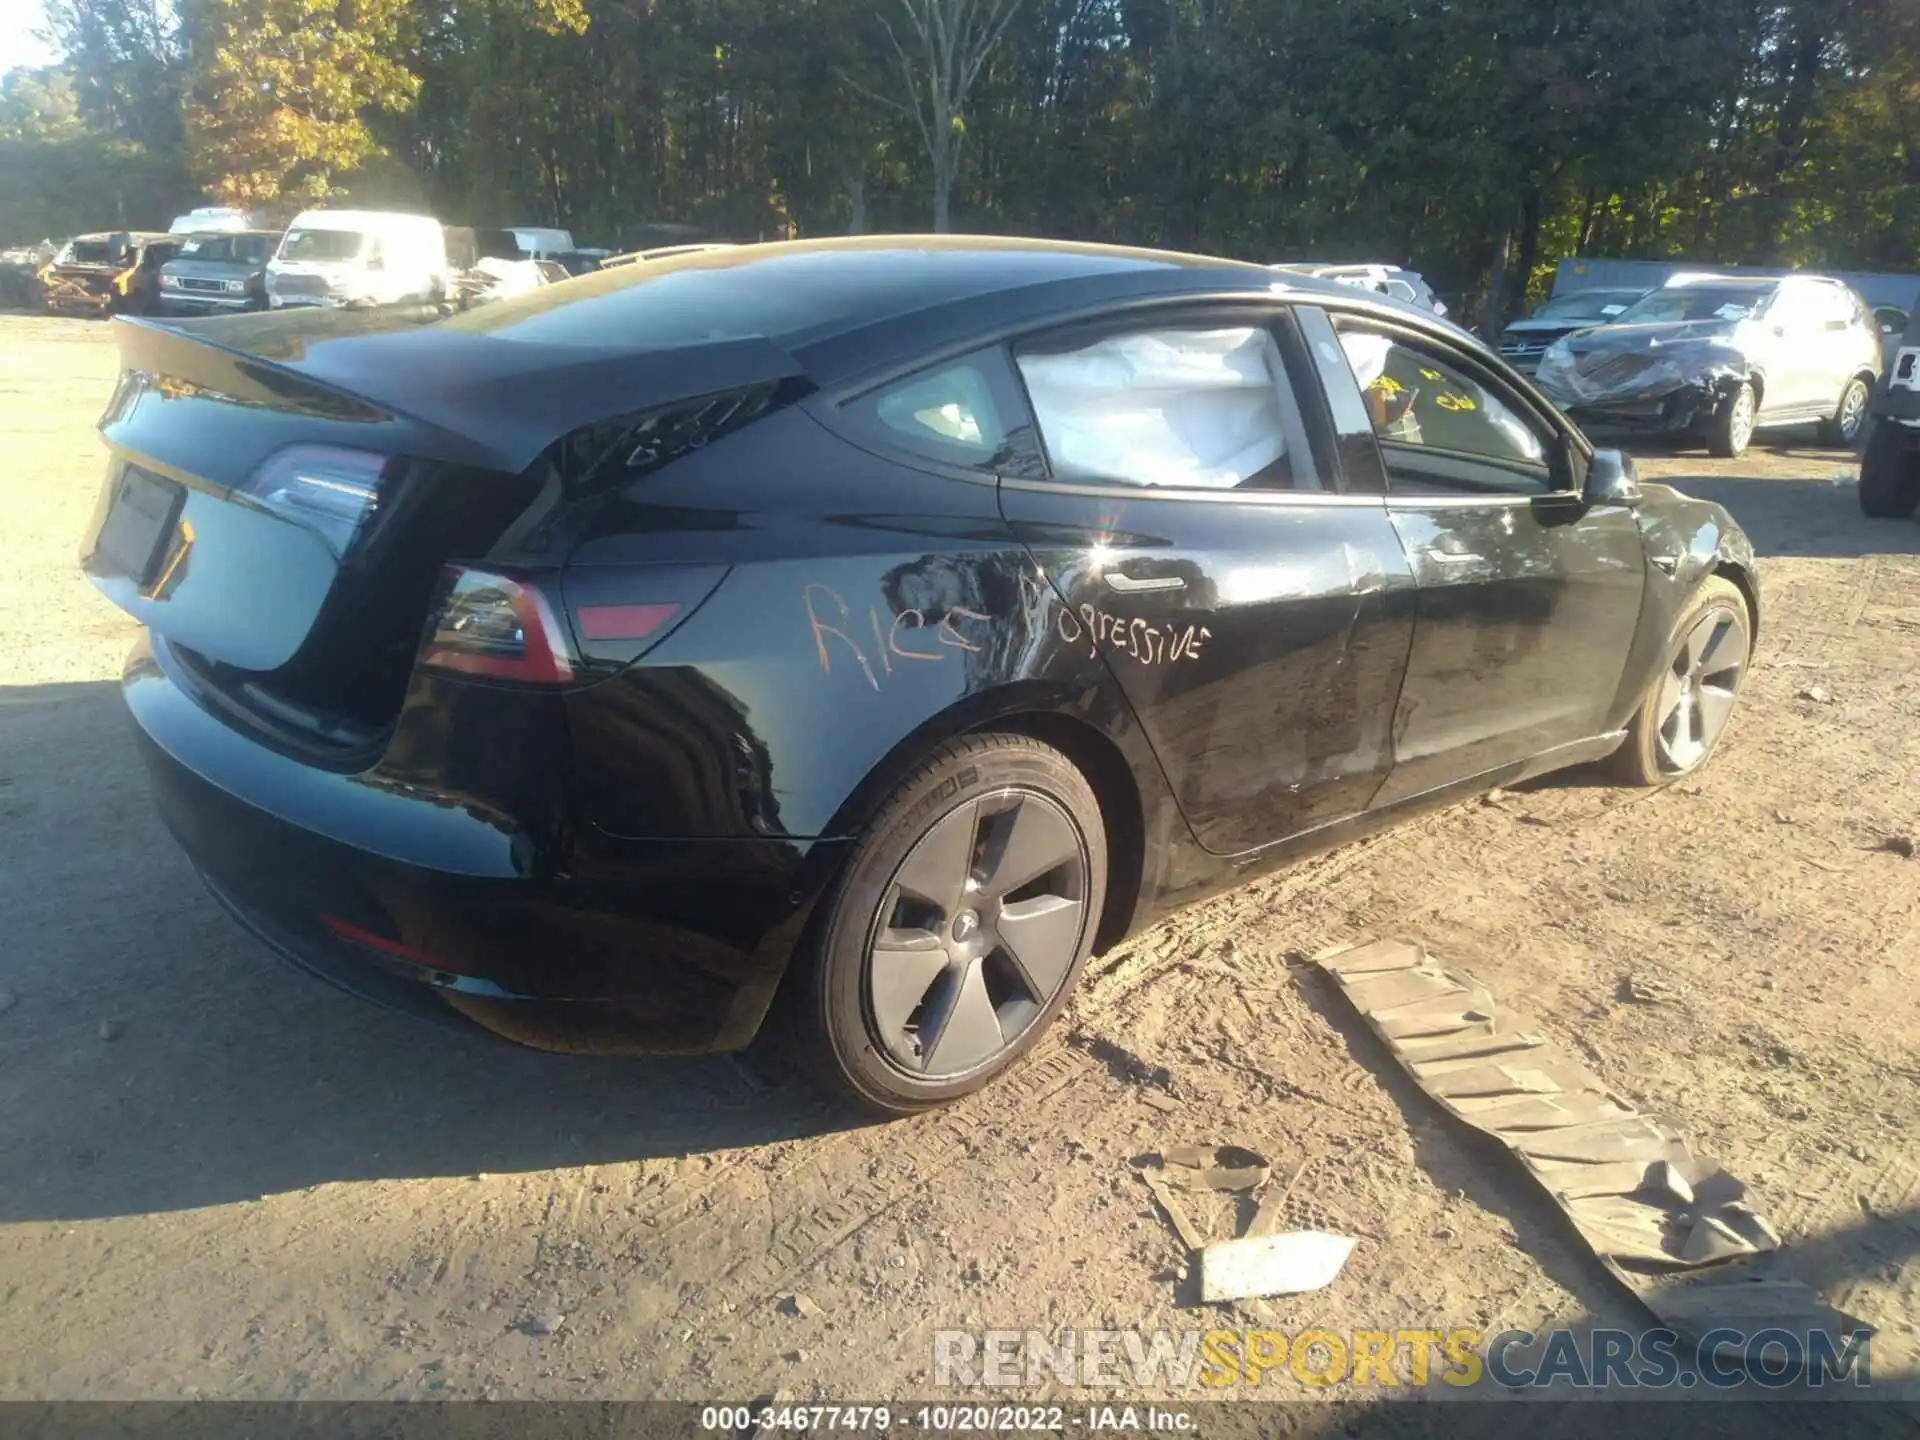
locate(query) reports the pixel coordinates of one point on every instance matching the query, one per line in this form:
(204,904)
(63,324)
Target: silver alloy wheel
(1853,410)
(978,930)
(1740,423)
(1698,687)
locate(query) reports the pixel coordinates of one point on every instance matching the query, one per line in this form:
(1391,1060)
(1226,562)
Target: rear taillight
(623,622)
(496,627)
(327,489)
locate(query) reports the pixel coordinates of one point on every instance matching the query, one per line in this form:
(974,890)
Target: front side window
(1199,408)
(1424,405)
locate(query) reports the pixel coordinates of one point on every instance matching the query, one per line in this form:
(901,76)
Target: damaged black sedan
(851,637)
(1717,358)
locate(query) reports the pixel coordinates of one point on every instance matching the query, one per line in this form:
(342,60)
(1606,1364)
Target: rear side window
(966,412)
(1207,407)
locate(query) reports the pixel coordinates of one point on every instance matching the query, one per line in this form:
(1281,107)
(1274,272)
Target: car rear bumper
(432,902)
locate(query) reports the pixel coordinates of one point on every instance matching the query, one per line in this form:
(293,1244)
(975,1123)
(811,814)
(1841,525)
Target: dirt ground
(219,1179)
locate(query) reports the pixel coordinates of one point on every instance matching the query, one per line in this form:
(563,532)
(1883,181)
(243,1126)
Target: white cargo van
(358,257)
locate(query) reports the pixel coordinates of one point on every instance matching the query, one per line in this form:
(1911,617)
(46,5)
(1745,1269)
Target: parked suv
(1721,356)
(1525,341)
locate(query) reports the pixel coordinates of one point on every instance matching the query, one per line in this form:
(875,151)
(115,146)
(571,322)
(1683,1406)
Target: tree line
(1478,142)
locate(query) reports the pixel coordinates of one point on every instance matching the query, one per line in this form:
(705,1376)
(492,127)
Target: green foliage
(1479,142)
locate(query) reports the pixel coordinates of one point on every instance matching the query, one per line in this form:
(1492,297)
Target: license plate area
(139,527)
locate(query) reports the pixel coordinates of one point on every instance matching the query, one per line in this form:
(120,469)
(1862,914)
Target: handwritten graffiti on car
(1142,640)
(908,637)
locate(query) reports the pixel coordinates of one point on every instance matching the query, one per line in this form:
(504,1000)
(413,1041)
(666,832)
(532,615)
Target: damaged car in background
(490,264)
(116,272)
(1716,358)
(1525,341)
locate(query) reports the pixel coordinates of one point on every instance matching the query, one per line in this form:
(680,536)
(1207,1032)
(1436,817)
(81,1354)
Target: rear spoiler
(489,402)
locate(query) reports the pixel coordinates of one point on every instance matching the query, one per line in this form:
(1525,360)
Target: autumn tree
(283,90)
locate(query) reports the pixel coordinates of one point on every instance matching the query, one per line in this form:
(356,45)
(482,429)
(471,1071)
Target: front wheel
(1889,473)
(959,929)
(1733,425)
(1843,427)
(1686,708)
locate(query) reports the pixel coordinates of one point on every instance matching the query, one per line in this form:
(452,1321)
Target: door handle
(1129,585)
(1452,557)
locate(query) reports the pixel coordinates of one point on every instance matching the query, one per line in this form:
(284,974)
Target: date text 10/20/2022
(948,1419)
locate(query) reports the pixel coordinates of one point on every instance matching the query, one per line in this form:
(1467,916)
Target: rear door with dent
(1193,517)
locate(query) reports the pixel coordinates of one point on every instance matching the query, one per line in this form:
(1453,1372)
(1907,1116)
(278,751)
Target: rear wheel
(1686,708)
(959,929)
(1890,473)
(1849,416)
(1732,427)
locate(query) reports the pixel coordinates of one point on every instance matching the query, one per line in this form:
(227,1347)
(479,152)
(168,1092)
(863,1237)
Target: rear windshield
(321,244)
(250,249)
(90,252)
(1696,302)
(721,295)
(666,309)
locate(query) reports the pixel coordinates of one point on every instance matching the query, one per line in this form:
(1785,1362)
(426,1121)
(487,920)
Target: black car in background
(217,273)
(859,631)
(1525,341)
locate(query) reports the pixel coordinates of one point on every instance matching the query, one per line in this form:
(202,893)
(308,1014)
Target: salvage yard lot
(220,1179)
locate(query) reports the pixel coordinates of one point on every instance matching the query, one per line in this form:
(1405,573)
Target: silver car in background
(1524,341)
(1717,357)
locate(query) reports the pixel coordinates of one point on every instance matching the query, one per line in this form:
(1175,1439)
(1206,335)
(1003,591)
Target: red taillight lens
(623,622)
(499,628)
(357,935)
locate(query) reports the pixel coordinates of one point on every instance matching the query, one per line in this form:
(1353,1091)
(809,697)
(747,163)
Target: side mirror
(1612,479)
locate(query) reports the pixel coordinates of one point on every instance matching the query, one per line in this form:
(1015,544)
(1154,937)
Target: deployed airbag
(1168,407)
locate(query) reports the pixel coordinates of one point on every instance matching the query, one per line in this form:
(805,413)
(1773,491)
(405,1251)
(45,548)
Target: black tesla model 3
(860,631)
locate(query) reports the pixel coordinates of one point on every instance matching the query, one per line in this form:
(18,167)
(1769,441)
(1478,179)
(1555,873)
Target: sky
(18,20)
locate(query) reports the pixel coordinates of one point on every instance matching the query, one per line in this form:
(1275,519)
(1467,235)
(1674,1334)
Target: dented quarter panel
(1687,540)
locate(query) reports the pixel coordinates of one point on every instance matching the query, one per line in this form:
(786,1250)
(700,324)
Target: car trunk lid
(284,490)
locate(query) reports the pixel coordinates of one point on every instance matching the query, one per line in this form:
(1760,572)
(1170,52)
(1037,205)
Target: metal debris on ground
(1818,694)
(1651,1210)
(1259,1262)
(1288,1264)
(791,1303)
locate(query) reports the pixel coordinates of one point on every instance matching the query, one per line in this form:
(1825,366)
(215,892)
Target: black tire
(1842,429)
(1889,473)
(829,1020)
(1732,427)
(1642,760)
